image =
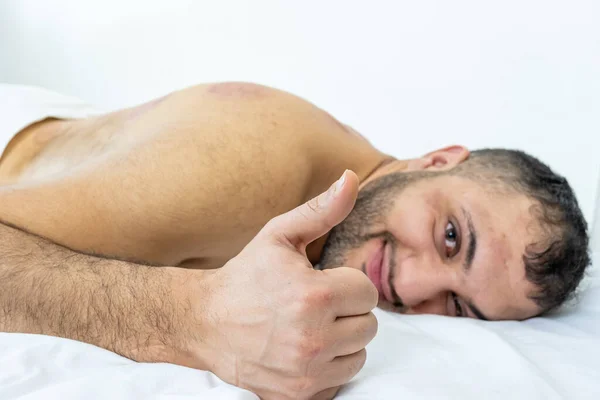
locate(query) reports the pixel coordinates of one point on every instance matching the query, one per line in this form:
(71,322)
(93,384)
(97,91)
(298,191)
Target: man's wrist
(190,344)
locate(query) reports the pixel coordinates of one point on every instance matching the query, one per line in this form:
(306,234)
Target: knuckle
(317,296)
(315,205)
(309,347)
(305,211)
(310,299)
(314,210)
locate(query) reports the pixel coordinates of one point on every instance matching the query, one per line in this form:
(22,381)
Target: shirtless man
(230,181)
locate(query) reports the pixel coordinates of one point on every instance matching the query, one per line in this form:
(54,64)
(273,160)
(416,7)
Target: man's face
(439,244)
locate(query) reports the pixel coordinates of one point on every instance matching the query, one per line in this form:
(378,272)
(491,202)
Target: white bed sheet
(412,357)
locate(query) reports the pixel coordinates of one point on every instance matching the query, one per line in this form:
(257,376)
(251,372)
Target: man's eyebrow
(476,311)
(472,247)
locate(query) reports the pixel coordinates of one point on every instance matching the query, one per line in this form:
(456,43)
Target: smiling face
(434,243)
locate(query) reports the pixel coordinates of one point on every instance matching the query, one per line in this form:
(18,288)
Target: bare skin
(149,183)
(188,179)
(301,341)
(227,180)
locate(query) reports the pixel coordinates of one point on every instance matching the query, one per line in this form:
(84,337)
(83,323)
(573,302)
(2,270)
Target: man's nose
(435,305)
(422,281)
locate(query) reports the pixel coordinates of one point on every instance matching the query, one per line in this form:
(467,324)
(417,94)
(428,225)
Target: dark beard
(373,203)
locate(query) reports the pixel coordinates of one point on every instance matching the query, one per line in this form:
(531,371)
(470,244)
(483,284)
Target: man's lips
(385,272)
(374,267)
(378,269)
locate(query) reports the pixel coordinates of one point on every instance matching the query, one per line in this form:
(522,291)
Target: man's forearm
(127,308)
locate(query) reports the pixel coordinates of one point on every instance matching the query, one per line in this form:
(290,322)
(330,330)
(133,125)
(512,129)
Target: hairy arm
(134,310)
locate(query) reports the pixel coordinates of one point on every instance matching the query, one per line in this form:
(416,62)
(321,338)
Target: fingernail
(340,183)
(336,187)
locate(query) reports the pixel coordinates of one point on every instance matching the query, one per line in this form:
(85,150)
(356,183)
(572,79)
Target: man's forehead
(489,202)
(504,224)
(497,277)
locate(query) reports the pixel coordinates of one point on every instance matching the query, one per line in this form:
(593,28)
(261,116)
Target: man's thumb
(316,217)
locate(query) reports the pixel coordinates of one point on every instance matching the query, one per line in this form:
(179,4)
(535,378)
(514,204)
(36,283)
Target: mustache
(373,204)
(396,299)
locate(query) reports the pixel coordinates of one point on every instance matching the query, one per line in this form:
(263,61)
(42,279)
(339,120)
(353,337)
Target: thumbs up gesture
(281,329)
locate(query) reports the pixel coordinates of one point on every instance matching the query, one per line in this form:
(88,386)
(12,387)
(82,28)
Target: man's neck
(379,170)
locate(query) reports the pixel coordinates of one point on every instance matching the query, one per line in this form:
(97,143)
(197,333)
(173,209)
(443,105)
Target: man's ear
(439,160)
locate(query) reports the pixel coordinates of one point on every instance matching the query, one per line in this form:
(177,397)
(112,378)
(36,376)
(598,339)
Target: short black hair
(557,263)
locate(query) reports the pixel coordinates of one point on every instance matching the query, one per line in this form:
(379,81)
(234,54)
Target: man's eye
(451,240)
(457,306)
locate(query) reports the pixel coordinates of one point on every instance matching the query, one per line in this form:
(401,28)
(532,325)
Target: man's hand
(281,329)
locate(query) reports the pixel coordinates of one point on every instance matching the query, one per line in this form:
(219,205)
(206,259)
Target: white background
(410,75)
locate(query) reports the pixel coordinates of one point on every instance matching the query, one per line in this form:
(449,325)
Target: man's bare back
(190,176)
